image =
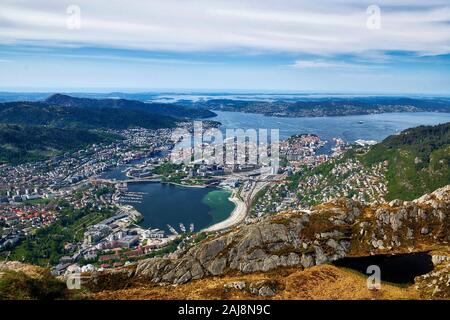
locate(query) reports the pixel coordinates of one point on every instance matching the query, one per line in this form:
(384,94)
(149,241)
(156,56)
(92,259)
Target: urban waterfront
(165,204)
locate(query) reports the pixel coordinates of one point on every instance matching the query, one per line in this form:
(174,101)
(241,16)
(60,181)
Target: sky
(348,46)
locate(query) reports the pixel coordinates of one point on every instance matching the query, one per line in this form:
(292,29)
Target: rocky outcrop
(436,284)
(263,288)
(329,232)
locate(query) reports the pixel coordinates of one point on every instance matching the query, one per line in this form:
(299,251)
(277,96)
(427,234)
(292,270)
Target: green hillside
(164,109)
(418,160)
(19,144)
(37,113)
(403,166)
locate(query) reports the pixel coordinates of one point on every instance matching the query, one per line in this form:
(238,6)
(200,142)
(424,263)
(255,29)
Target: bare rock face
(329,232)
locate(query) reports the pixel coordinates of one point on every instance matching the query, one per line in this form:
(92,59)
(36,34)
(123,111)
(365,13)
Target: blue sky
(283,45)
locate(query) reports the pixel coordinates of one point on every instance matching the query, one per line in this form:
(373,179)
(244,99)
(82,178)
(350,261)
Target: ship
(172,229)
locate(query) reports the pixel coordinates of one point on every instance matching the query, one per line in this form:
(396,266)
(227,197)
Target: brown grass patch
(323,282)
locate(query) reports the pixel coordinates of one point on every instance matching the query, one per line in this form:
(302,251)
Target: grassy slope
(36,284)
(316,283)
(21,281)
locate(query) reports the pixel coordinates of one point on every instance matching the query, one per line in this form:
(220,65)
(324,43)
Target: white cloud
(306,64)
(333,64)
(316,27)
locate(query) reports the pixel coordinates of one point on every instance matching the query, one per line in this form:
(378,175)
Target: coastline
(237,216)
(201,186)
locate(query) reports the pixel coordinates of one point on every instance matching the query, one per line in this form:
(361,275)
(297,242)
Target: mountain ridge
(64,111)
(40,113)
(172,110)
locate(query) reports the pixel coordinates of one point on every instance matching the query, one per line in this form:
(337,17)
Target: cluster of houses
(16,222)
(66,177)
(297,147)
(300,151)
(348,179)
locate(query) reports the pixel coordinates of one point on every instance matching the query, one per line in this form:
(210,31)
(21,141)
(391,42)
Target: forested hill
(172,110)
(19,144)
(418,160)
(69,112)
(40,113)
(36,130)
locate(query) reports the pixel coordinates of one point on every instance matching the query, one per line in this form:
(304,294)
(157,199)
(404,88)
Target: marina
(131,197)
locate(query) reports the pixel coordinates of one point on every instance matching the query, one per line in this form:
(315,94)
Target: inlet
(402,268)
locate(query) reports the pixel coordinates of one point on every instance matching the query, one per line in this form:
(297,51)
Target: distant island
(327,107)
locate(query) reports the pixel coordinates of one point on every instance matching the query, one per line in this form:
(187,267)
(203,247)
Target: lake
(402,268)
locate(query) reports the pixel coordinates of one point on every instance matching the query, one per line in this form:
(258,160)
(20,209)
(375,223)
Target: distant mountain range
(335,106)
(69,112)
(198,104)
(172,110)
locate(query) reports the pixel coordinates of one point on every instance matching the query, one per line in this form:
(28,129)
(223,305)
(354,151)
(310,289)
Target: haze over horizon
(227,46)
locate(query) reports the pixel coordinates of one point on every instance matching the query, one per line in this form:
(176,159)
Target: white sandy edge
(236,216)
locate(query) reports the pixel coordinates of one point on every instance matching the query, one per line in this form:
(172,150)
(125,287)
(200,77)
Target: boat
(172,229)
(182,227)
(191,227)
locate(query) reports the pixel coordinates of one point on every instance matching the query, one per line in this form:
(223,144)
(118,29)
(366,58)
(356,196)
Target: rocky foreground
(302,240)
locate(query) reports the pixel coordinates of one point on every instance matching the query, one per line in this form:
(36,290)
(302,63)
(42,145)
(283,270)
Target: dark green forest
(19,144)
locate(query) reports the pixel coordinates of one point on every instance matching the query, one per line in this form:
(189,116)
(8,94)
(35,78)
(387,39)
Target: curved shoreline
(237,216)
(200,186)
